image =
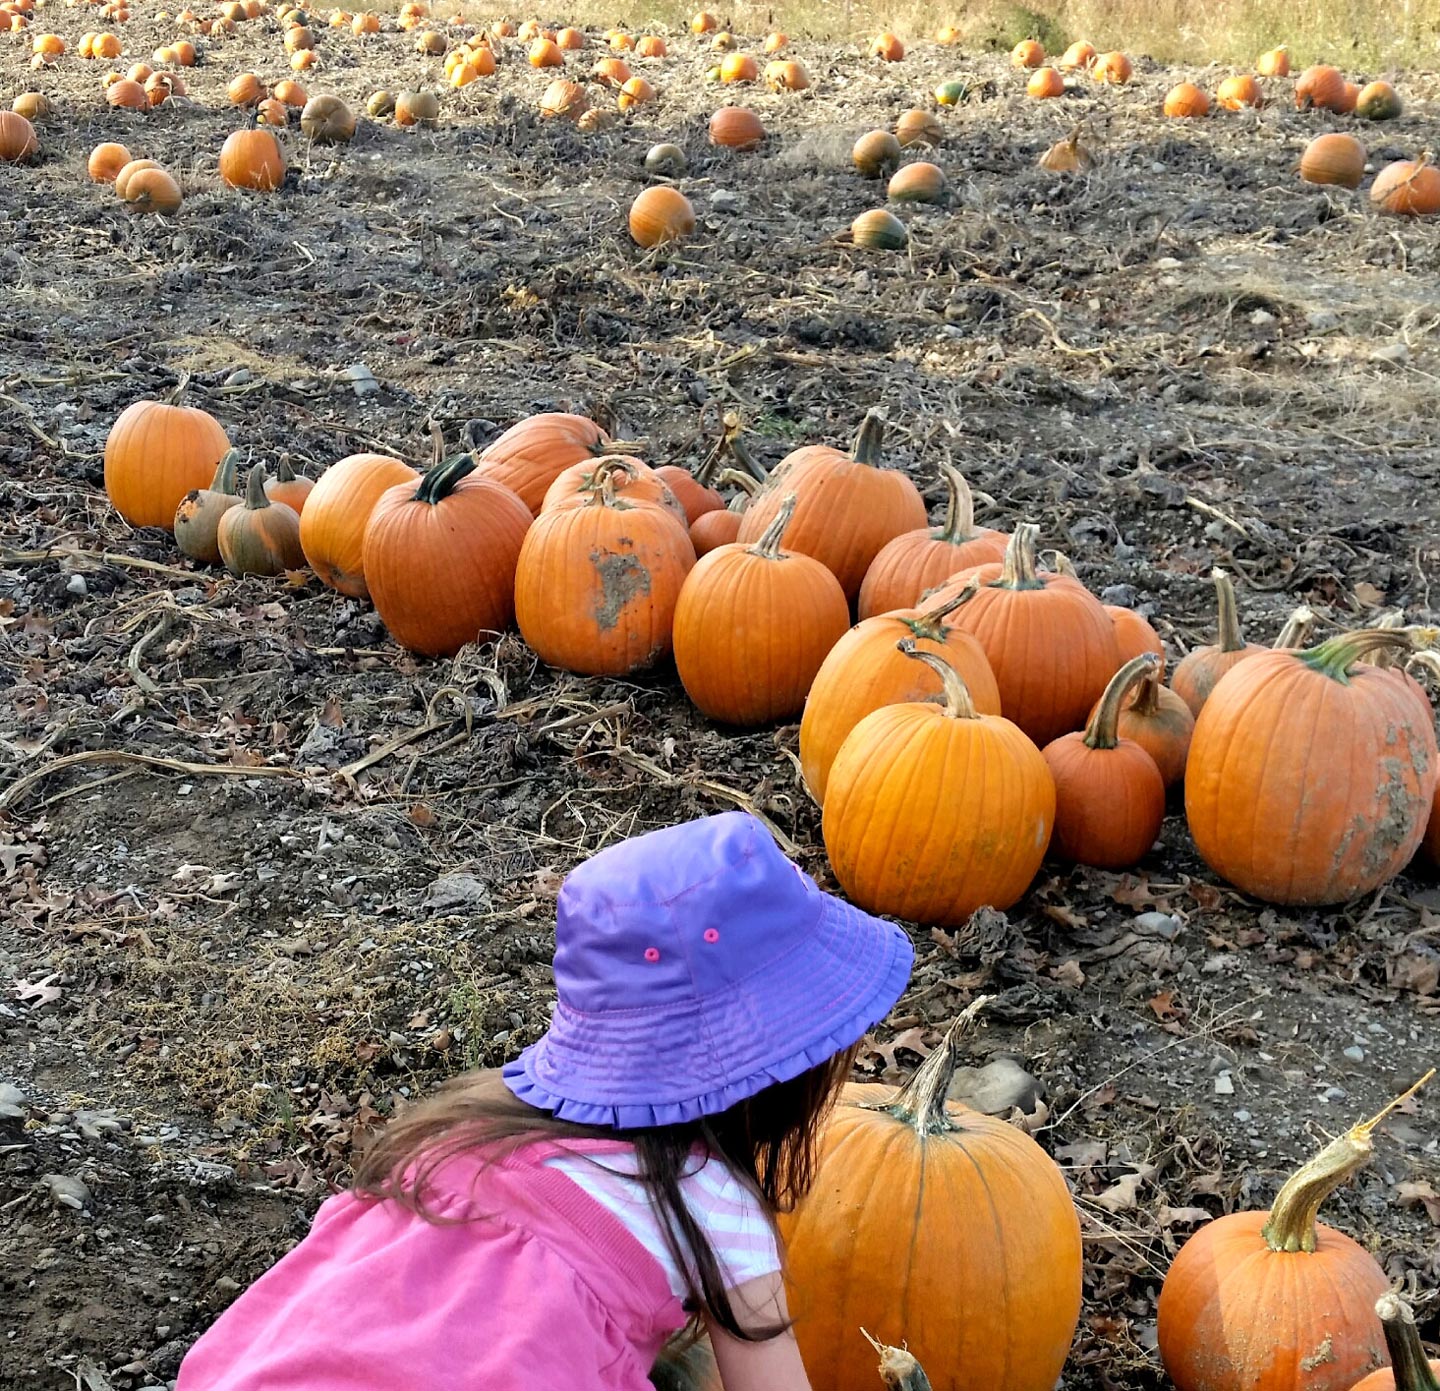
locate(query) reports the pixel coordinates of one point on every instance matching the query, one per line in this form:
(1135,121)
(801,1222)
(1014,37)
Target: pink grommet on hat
(696,966)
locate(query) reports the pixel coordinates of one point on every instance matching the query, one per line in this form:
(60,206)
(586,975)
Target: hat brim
(666,1066)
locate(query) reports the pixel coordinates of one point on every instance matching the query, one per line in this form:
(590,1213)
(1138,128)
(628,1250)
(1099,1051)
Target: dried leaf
(331,715)
(1368,595)
(422,816)
(1420,1194)
(1124,1194)
(1183,1216)
(39,992)
(1068,973)
(1163,1005)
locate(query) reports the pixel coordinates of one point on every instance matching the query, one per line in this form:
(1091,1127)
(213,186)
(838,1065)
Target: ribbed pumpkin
(736,128)
(17,138)
(921,182)
(596,587)
(1277,1301)
(1336,760)
(932,811)
(533,453)
(694,496)
(197,518)
(879,229)
(327,120)
(848,508)
(1157,719)
(252,159)
(875,152)
(289,487)
(1320,86)
(1335,158)
(1408,1369)
(155,453)
(439,557)
(919,127)
(1133,634)
(1185,99)
(332,527)
(1049,640)
(127,95)
(660,214)
(786,75)
(1109,792)
(938,1226)
(1238,92)
(1199,670)
(1378,101)
(752,626)
(1409,187)
(628,480)
(713,530)
(1079,55)
(865,669)
(915,561)
(261,537)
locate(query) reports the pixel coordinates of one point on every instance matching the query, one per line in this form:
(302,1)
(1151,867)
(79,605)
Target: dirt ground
(303,875)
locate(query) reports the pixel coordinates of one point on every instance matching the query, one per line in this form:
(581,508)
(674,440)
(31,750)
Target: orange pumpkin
(919,127)
(332,526)
(866,670)
(651,46)
(1133,634)
(921,182)
(439,557)
(149,190)
(545,54)
(127,95)
(416,109)
(252,159)
(703,23)
(1320,86)
(1113,69)
(1274,63)
(1185,99)
(1200,670)
(988,806)
(1079,55)
(1161,723)
(197,518)
(947,35)
(291,93)
(849,508)
(1045,83)
(1338,823)
(887,48)
(17,138)
(1335,158)
(628,480)
(1109,792)
(106,160)
(635,92)
(875,153)
(564,100)
(288,487)
(752,626)
(1409,187)
(245,90)
(695,497)
(272,113)
(261,537)
(1238,92)
(611,72)
(1028,53)
(1349,98)
(596,586)
(738,67)
(128,172)
(155,453)
(775,41)
(1277,1299)
(736,128)
(1048,639)
(1408,1369)
(915,561)
(533,453)
(894,1170)
(570,40)
(713,530)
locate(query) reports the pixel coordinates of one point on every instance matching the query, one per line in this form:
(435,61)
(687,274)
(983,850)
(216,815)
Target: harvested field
(263,874)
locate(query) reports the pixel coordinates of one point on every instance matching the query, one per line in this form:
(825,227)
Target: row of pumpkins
(954,1232)
(983,712)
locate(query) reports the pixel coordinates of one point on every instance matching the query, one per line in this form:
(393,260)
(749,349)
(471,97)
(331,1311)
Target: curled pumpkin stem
(899,1371)
(920,1103)
(959,524)
(931,622)
(1336,656)
(957,704)
(1297,629)
(1407,1354)
(1101,732)
(768,545)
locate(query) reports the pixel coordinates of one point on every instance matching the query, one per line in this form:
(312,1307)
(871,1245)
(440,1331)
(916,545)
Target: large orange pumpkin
(628,480)
(17,138)
(155,453)
(1277,1301)
(937,1226)
(1109,793)
(1133,634)
(932,811)
(1335,760)
(596,586)
(1408,1369)
(1049,640)
(736,128)
(903,569)
(332,526)
(439,558)
(848,507)
(252,159)
(1195,677)
(752,626)
(1320,86)
(1410,187)
(865,670)
(533,453)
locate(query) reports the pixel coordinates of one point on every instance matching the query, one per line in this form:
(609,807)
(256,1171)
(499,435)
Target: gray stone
(723,201)
(452,891)
(66,1191)
(1158,925)
(12,1102)
(997,1088)
(361,378)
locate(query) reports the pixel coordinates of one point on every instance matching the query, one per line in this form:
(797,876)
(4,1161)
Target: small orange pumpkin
(1237,92)
(611,72)
(106,160)
(736,128)
(919,127)
(875,153)
(545,54)
(1161,723)
(786,75)
(262,537)
(1320,86)
(1186,100)
(245,90)
(660,214)
(332,526)
(704,23)
(1349,96)
(127,95)
(1274,63)
(252,159)
(1045,83)
(1133,634)
(887,48)
(564,100)
(1028,53)
(291,93)
(1409,187)
(775,42)
(570,40)
(921,182)
(651,46)
(532,454)
(635,92)
(738,67)
(150,190)
(1113,69)
(1079,55)
(1335,158)
(289,487)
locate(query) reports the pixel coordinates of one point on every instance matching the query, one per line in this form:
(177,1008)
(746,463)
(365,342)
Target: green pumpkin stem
(1292,1215)
(1101,732)
(441,477)
(283,471)
(224,480)
(920,1103)
(869,438)
(1228,638)
(740,451)
(746,482)
(899,1371)
(1390,619)
(768,545)
(959,510)
(931,622)
(1407,1355)
(1296,632)
(1017,571)
(255,497)
(1335,656)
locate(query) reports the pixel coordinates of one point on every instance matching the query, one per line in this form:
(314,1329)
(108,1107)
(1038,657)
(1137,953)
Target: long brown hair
(768,1141)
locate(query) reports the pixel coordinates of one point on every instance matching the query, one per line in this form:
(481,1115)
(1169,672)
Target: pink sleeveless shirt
(544,1288)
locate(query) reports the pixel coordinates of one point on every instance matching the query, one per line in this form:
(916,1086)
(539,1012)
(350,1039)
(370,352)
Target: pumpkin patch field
(392,514)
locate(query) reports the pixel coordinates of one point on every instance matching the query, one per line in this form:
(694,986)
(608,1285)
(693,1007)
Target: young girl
(552,1227)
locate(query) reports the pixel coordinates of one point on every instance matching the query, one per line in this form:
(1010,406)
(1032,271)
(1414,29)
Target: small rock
(294,946)
(1355,1053)
(997,1088)
(1158,925)
(12,1102)
(241,376)
(1168,262)
(1322,321)
(76,585)
(1224,1084)
(457,891)
(1262,318)
(1121,595)
(361,378)
(1334,1094)
(66,1191)
(1242,1116)
(1392,354)
(723,201)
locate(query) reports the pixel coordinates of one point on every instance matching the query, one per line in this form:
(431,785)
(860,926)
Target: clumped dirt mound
(264,875)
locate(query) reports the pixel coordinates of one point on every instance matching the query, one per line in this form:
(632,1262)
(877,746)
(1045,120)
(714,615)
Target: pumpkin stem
(283,472)
(178,390)
(1101,732)
(1061,564)
(955,701)
(1428,662)
(898,1368)
(744,481)
(930,624)
(1229,637)
(1292,1216)
(442,476)
(1018,569)
(437,441)
(768,546)
(255,497)
(1390,620)
(1296,632)
(1407,1355)
(1335,656)
(869,437)
(1147,695)
(960,509)
(921,1101)
(602,481)
(224,480)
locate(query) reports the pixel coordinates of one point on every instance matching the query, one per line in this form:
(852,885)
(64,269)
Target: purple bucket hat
(696,966)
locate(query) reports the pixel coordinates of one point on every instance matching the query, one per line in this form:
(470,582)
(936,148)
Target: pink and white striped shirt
(730,1215)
